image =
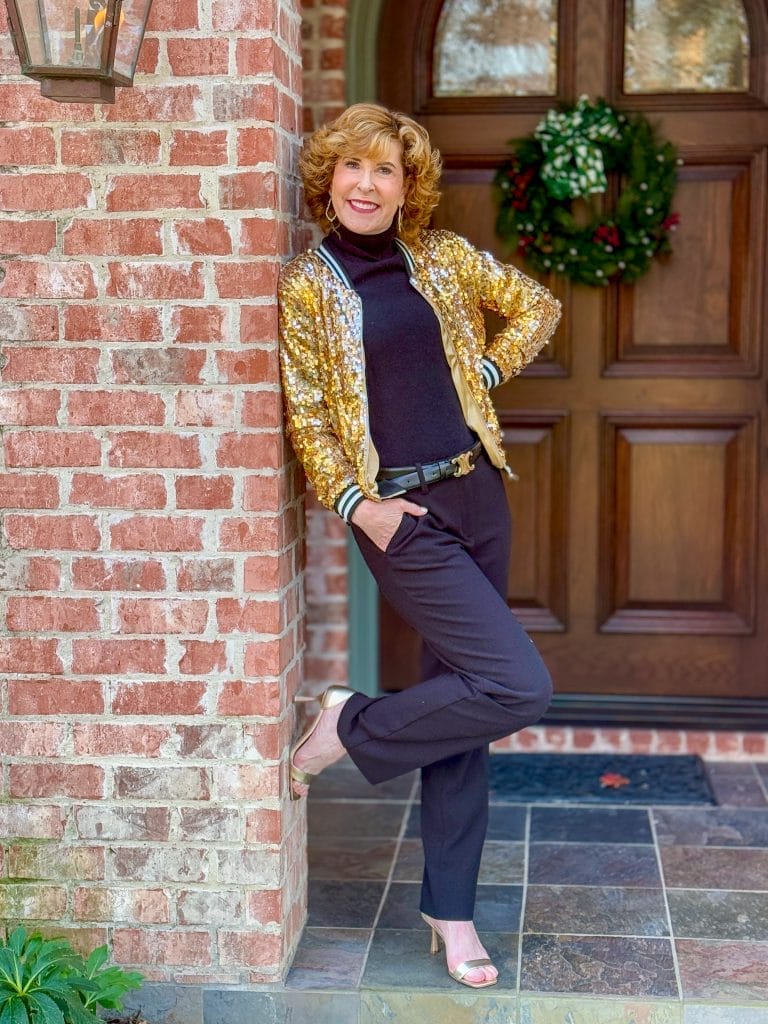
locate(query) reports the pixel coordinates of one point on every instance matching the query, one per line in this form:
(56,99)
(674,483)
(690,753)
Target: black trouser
(445,573)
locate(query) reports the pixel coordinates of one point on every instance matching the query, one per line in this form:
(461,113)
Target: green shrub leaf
(96,960)
(10,969)
(46,1009)
(15,1012)
(44,981)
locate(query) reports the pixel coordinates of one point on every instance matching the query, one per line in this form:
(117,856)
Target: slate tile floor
(615,915)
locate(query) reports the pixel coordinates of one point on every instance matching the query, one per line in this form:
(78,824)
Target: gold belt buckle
(463,464)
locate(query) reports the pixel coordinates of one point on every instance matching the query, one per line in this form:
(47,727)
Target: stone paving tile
(329,958)
(400,959)
(736,785)
(590,825)
(506,822)
(725,1014)
(409,865)
(486,1006)
(729,971)
(693,867)
(593,864)
(585,889)
(343,781)
(239,1007)
(598,965)
(497,908)
(413,828)
(401,907)
(707,914)
(343,904)
(595,910)
(583,1010)
(167,1004)
(718,826)
(354,819)
(501,863)
(341,857)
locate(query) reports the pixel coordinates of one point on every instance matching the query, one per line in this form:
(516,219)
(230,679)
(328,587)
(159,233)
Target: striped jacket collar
(336,268)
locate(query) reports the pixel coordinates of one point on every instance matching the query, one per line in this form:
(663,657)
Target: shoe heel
(434,946)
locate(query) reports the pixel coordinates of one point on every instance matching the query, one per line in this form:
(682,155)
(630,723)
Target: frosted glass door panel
(496,48)
(685,46)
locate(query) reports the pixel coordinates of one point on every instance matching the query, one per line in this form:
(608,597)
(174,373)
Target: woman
(386,372)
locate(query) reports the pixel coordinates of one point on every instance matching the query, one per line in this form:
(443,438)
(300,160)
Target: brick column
(324,27)
(152,562)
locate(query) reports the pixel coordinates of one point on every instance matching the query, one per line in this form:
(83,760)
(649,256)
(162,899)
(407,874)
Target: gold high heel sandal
(460,972)
(333,695)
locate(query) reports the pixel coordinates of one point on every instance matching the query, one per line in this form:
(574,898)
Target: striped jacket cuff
(348,501)
(491,373)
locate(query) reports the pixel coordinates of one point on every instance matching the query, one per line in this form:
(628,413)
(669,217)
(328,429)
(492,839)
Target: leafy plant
(44,981)
(110,983)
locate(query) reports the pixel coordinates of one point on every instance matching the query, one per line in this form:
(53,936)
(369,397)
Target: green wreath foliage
(595,242)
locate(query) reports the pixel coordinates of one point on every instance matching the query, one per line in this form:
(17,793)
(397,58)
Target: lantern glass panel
(133,21)
(63,33)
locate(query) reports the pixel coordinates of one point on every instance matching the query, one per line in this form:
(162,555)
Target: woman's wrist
(348,501)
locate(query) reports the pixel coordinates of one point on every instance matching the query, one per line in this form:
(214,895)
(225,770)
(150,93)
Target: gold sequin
(323,361)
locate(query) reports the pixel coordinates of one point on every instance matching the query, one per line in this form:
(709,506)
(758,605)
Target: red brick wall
(152,571)
(585,739)
(324,25)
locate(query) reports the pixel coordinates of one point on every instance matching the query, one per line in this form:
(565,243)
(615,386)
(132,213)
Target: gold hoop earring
(330,213)
(399,220)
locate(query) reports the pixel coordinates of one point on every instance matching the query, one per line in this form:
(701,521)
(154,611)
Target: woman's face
(366,193)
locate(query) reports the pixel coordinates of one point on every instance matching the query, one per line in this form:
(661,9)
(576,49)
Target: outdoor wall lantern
(78,50)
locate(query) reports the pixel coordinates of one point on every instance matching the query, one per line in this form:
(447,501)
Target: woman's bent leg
(494,681)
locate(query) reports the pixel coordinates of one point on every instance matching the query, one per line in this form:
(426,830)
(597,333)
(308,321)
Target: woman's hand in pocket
(379,520)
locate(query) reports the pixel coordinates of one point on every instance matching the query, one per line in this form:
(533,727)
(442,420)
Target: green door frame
(363,597)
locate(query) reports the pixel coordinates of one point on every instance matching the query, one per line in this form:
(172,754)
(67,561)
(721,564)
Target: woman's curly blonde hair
(367,129)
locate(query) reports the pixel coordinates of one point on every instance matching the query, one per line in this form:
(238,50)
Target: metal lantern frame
(75,82)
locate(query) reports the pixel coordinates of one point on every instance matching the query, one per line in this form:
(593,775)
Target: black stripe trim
(408,256)
(348,501)
(333,265)
(491,373)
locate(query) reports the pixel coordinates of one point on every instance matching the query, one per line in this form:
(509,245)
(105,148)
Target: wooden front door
(640,555)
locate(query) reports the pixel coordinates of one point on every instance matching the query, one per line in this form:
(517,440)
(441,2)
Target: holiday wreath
(570,156)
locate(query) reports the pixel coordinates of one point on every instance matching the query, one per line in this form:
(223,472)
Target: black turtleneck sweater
(414,410)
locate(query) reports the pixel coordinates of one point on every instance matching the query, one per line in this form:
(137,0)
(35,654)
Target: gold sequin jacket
(323,361)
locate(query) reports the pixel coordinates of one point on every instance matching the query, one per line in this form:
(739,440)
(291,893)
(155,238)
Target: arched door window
(678,46)
(496,48)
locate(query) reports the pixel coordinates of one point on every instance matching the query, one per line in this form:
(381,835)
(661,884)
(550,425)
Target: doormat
(599,779)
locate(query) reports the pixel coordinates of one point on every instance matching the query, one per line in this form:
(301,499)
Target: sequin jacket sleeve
(531,312)
(310,429)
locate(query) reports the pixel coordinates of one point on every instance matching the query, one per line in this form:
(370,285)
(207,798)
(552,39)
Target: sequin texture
(323,363)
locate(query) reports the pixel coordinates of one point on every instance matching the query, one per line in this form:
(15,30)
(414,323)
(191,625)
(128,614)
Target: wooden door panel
(640,553)
(537,449)
(692,667)
(700,312)
(678,525)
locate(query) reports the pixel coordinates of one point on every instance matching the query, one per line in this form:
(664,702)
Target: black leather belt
(396,480)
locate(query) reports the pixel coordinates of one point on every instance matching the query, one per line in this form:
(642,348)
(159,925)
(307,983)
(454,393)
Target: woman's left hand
(379,520)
